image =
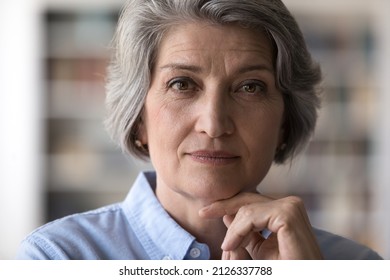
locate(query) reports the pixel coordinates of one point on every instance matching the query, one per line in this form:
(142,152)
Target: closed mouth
(213,157)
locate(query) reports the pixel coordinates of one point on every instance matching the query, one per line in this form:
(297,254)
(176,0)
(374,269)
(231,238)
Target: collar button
(195,253)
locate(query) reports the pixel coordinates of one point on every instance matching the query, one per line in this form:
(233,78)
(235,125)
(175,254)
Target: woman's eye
(181,84)
(250,88)
(254,88)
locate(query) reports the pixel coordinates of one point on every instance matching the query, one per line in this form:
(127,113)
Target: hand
(247,214)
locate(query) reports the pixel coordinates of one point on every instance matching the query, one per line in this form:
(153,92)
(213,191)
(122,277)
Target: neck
(184,210)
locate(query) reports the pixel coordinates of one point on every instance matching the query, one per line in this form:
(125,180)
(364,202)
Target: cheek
(262,136)
(261,145)
(165,126)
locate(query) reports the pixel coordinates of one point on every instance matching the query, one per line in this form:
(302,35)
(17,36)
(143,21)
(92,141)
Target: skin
(213,119)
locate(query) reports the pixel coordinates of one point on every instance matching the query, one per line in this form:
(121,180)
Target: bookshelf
(333,176)
(84,169)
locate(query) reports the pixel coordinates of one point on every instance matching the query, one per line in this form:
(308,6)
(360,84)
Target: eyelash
(188,85)
(260,87)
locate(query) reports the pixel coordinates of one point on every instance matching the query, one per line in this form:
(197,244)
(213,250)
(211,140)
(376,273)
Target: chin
(214,189)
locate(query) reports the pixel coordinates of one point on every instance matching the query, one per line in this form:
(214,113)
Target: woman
(213,92)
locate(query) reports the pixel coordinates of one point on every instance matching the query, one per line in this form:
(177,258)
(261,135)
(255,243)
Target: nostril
(215,126)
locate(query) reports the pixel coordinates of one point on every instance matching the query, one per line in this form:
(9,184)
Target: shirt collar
(159,234)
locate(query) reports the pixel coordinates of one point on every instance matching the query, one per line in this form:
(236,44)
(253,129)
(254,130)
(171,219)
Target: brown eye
(253,88)
(182,84)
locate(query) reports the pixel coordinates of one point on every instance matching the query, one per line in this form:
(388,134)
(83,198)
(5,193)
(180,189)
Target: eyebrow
(198,69)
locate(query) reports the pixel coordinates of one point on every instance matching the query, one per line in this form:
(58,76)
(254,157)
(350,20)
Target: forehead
(198,41)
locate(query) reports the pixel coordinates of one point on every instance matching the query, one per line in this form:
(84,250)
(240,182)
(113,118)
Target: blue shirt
(140,228)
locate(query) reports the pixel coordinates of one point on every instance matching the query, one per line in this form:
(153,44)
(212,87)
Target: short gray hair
(142,25)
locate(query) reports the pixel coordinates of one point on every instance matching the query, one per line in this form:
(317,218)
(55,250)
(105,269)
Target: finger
(231,206)
(256,242)
(239,254)
(245,227)
(225,255)
(242,253)
(227,220)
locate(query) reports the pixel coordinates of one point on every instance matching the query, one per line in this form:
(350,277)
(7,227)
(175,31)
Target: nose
(215,115)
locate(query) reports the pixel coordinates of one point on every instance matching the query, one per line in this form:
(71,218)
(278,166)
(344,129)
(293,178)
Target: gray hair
(142,25)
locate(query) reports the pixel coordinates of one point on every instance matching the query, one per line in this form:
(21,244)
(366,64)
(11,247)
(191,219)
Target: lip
(213,157)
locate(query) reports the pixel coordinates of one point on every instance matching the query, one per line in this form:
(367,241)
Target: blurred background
(56,158)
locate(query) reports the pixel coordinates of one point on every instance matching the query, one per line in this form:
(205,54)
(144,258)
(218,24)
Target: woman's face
(213,116)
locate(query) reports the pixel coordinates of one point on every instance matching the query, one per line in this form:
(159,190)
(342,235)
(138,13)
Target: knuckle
(293,202)
(291,206)
(246,211)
